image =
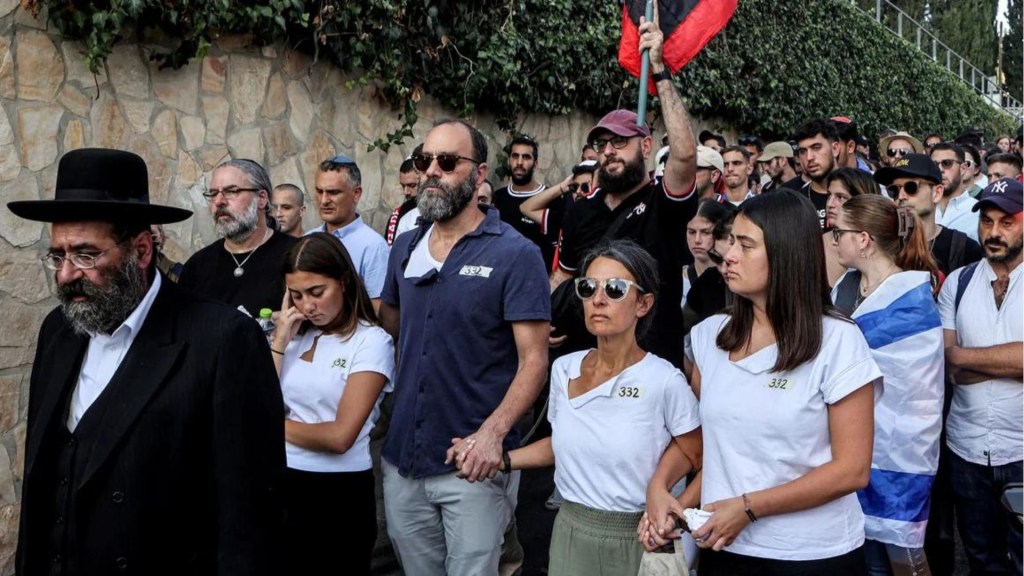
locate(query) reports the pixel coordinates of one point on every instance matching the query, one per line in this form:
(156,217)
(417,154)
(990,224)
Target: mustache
(222,212)
(77,288)
(996,242)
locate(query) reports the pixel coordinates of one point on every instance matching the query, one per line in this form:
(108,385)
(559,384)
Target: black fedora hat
(100,184)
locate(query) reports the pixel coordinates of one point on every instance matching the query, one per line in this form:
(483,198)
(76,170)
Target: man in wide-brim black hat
(155,440)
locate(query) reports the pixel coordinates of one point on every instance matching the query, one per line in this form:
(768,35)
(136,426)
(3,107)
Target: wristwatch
(663,75)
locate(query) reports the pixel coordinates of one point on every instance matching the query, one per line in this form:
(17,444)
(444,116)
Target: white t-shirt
(313,390)
(407,221)
(608,442)
(763,429)
(986,420)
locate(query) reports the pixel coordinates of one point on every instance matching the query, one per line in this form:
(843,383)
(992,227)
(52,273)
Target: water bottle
(267,323)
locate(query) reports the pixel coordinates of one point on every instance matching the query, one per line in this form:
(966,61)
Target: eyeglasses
(911,188)
(447,162)
(614,288)
(838,232)
(617,142)
(584,188)
(229,193)
(893,152)
(81,261)
(947,163)
(715,257)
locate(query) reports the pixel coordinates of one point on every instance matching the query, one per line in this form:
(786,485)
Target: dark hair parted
(855,180)
(798,291)
(953,147)
(812,128)
(903,243)
(640,265)
(323,254)
(479,142)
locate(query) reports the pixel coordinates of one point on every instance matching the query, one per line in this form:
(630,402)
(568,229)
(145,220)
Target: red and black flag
(688,25)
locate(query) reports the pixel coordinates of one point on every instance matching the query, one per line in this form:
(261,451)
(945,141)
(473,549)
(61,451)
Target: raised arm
(535,206)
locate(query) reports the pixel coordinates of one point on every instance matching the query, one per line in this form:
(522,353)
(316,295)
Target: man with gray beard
(466,298)
(154,418)
(242,269)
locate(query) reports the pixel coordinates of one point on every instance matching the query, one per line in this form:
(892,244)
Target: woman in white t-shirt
(335,364)
(786,406)
(613,411)
(889,292)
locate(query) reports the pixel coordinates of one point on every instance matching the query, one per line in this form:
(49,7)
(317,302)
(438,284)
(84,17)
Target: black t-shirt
(508,201)
(707,297)
(657,222)
(210,273)
(818,200)
(948,259)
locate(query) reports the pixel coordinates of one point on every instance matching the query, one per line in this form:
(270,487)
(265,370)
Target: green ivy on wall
(775,65)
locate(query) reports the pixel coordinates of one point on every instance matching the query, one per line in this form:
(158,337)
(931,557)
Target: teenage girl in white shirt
(786,403)
(335,364)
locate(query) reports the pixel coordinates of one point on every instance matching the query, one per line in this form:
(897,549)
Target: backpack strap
(957,248)
(966,273)
(846,292)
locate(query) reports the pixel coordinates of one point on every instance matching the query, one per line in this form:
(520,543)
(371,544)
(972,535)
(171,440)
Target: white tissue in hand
(695,518)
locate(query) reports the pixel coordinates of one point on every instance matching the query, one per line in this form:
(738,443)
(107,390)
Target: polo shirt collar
(491,224)
(347,229)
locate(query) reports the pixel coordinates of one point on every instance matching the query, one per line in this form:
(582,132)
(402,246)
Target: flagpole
(645,69)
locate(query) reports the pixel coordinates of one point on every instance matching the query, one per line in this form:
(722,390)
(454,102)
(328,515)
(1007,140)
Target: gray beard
(447,205)
(239,228)
(105,309)
(633,174)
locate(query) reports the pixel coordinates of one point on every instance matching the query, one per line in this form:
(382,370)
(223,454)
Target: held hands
(651,38)
(658,525)
(476,457)
(287,323)
(728,519)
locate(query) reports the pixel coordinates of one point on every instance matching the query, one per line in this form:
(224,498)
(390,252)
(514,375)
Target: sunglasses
(747,141)
(893,152)
(947,163)
(583,188)
(617,142)
(715,257)
(447,162)
(911,188)
(614,288)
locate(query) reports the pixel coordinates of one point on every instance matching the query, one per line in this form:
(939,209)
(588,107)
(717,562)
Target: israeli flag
(901,323)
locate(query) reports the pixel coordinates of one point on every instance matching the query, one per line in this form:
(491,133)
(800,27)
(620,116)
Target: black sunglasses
(892,152)
(748,140)
(583,188)
(614,288)
(447,162)
(911,188)
(947,163)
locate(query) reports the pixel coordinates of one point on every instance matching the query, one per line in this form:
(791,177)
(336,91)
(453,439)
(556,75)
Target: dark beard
(447,205)
(1011,252)
(522,180)
(105,309)
(633,174)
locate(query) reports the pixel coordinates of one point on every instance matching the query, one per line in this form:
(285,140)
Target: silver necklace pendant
(239,271)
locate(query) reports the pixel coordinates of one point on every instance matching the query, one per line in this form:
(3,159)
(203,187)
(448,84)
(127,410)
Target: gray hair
(640,264)
(350,168)
(257,176)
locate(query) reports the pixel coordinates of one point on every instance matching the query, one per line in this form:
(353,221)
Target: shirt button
(64,481)
(60,520)
(57,558)
(121,562)
(117,497)
(72,441)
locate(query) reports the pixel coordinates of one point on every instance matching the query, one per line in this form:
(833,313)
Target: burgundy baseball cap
(620,123)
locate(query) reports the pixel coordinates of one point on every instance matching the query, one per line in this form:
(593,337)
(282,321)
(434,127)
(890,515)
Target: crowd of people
(817,344)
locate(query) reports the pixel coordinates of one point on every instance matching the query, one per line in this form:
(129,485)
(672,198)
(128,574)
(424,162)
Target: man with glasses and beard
(522,161)
(466,298)
(955,208)
(154,439)
(983,321)
(630,205)
(242,269)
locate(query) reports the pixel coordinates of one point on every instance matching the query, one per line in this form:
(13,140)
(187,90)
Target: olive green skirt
(589,542)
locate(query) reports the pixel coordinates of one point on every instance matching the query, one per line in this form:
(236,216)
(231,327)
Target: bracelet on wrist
(746,508)
(506,461)
(277,352)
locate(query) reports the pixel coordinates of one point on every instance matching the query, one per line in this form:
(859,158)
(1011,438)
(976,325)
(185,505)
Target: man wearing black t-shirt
(522,160)
(242,269)
(817,150)
(630,205)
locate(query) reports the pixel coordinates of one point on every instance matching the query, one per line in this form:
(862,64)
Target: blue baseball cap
(1006,194)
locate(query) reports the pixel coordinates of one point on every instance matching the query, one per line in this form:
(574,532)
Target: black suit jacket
(183,474)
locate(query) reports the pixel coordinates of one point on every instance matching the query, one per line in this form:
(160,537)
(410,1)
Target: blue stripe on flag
(897,495)
(910,314)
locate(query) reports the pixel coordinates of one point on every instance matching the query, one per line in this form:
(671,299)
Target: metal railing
(901,24)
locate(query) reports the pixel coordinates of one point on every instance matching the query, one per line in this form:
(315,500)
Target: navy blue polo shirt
(456,351)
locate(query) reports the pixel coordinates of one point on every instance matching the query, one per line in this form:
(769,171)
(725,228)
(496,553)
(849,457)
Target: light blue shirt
(368,251)
(958,215)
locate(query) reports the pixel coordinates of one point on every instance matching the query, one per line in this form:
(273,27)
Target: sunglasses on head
(447,162)
(583,188)
(747,140)
(614,288)
(911,188)
(893,152)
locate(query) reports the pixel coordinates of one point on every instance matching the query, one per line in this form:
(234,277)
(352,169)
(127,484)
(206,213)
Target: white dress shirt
(959,216)
(104,355)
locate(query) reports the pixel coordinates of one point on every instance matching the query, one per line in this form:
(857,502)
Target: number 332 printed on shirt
(629,392)
(778,384)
